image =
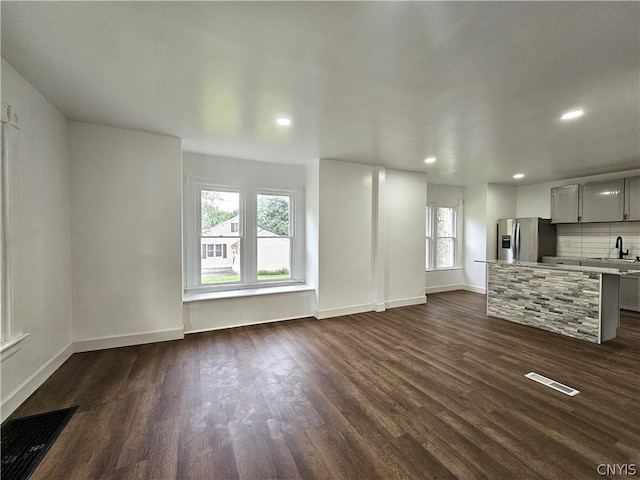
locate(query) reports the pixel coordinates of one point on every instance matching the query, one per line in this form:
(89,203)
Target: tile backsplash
(591,240)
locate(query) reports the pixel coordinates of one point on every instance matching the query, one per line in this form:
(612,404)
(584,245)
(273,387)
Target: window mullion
(196,275)
(250,234)
(434,240)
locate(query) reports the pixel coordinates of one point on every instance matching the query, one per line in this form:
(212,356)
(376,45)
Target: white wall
(475,236)
(345,238)
(535,200)
(312,226)
(44,229)
(453,279)
(371,238)
(244,310)
(405,197)
(240,172)
(233,312)
(501,203)
(126,236)
(445,194)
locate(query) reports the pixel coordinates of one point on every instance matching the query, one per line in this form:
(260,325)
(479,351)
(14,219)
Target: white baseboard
(31,384)
(127,340)
(380,307)
(444,288)
(474,289)
(405,302)
(224,327)
(336,312)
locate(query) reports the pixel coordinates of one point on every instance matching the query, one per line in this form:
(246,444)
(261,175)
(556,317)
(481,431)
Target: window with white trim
(11,333)
(244,237)
(441,237)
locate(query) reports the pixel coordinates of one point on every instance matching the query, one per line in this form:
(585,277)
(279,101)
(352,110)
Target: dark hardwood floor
(428,391)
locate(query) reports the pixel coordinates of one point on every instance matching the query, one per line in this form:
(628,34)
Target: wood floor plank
(420,392)
(163,449)
(205,444)
(558,455)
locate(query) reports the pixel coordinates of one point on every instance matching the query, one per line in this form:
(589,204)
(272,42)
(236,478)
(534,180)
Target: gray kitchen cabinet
(565,204)
(630,292)
(632,198)
(603,201)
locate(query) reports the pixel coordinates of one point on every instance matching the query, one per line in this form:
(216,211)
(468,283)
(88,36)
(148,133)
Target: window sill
(443,269)
(12,346)
(248,292)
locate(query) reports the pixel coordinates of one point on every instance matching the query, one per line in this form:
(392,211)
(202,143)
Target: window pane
(220,212)
(274,258)
(220,262)
(445,225)
(220,257)
(274,215)
(444,253)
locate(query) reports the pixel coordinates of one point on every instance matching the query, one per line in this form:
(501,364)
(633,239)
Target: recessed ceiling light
(283,121)
(519,175)
(430,160)
(572,114)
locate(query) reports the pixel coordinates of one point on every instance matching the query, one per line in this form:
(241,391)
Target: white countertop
(625,262)
(574,268)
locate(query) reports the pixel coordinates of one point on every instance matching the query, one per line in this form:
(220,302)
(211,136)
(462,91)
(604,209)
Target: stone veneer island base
(579,302)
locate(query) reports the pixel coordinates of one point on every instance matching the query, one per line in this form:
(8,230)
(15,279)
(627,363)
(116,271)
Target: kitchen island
(580,302)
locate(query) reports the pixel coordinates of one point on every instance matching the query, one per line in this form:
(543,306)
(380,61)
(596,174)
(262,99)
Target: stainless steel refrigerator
(526,239)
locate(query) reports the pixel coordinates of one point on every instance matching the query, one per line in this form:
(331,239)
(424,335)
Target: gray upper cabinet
(632,198)
(603,201)
(565,203)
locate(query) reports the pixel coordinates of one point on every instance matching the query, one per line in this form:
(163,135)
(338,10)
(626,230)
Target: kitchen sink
(622,264)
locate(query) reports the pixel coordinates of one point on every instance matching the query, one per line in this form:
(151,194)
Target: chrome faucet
(621,253)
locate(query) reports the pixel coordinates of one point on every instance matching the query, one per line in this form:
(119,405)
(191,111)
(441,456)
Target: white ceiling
(479,85)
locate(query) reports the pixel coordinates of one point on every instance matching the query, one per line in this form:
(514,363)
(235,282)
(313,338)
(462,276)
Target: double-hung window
(245,237)
(441,237)
(10,328)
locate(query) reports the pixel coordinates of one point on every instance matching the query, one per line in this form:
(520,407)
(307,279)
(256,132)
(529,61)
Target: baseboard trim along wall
(31,384)
(367,307)
(380,307)
(444,288)
(474,289)
(127,340)
(405,302)
(247,324)
(337,312)
(456,286)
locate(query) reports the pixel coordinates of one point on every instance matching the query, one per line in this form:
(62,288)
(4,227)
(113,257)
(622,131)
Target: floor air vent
(26,440)
(552,384)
